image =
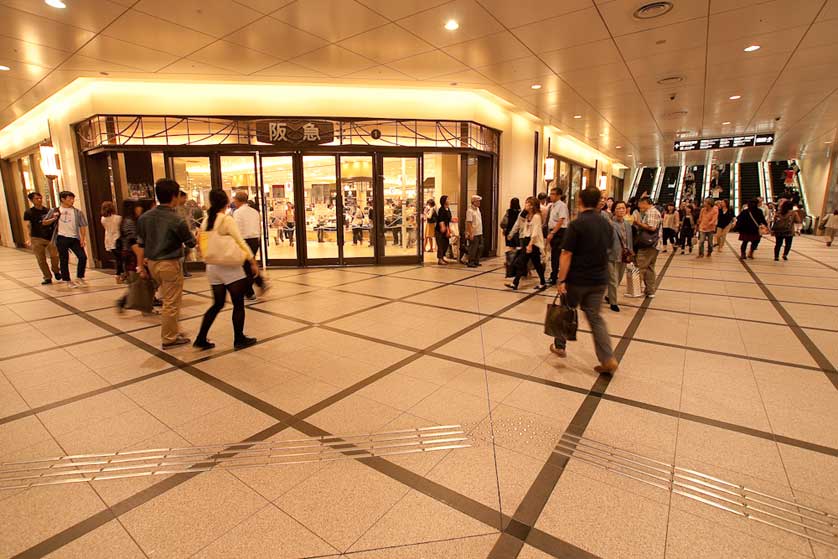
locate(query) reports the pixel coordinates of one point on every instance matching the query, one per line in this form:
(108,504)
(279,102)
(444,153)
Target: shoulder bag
(626,255)
(763,229)
(221,250)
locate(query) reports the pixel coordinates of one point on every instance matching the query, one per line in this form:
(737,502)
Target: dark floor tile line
(814,351)
(747,297)
(720,280)
(526,516)
(812,258)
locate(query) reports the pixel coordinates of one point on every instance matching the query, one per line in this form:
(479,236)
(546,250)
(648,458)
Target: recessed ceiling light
(752,48)
(630,155)
(734,97)
(452,25)
(577,116)
(725,123)
(671,80)
(829,142)
(55,4)
(653,10)
(535,86)
(619,147)
(4,68)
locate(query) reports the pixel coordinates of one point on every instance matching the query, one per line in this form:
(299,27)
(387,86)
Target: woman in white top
(111,222)
(831,226)
(226,279)
(529,230)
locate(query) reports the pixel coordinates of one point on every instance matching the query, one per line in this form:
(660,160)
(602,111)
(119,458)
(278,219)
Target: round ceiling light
(452,25)
(735,97)
(725,123)
(4,68)
(577,116)
(671,80)
(752,48)
(619,147)
(535,86)
(55,4)
(653,10)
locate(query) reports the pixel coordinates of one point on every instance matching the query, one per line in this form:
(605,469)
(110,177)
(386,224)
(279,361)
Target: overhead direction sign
(726,142)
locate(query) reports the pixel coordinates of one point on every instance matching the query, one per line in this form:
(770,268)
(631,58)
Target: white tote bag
(221,250)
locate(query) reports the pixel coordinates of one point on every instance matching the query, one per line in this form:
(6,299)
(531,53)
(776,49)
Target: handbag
(646,239)
(140,296)
(561,320)
(626,255)
(222,250)
(763,229)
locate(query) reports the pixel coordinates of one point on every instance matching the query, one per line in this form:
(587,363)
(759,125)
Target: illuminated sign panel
(745,141)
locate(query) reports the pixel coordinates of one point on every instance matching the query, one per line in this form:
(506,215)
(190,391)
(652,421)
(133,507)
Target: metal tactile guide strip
(807,522)
(166,461)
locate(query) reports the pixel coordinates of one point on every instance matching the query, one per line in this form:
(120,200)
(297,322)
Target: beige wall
(815,173)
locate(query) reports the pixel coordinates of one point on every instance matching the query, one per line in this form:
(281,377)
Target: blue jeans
(702,236)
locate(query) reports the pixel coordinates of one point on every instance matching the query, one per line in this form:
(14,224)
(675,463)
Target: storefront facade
(330,191)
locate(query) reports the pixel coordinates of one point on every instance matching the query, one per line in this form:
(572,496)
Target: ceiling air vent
(653,10)
(671,80)
(675,114)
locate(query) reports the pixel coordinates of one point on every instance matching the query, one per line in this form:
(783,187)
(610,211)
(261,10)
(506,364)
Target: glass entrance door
(280,209)
(321,232)
(359,231)
(401,196)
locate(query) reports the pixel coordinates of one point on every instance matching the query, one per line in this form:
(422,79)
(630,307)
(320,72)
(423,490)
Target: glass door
(321,233)
(358,207)
(400,197)
(280,209)
(194,175)
(238,174)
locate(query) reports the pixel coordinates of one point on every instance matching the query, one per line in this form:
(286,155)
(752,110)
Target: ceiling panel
(27,72)
(155,33)
(491,49)
(582,56)
(289,69)
(522,12)
(33,29)
(380,73)
(767,17)
(14,50)
(186,66)
(402,8)
(576,28)
(386,44)
(618,15)
(261,36)
(428,65)
(334,61)
(91,15)
(126,54)
(332,20)
(465,77)
(528,67)
(78,62)
(474,22)
(235,58)
(680,36)
(686,64)
(215,17)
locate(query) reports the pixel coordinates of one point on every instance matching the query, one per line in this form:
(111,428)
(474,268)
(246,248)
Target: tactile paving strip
(793,517)
(166,461)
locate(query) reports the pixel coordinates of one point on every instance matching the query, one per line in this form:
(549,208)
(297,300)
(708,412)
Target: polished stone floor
(729,371)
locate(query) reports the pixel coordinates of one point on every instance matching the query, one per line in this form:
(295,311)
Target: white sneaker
(633,296)
(73,284)
(650,296)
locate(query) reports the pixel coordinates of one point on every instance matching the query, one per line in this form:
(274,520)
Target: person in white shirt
(557,219)
(474,232)
(69,235)
(249,223)
(531,234)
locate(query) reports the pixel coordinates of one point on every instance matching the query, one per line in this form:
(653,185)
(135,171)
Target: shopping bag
(140,296)
(510,261)
(561,320)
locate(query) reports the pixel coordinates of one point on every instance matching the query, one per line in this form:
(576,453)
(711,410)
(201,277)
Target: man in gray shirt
(474,232)
(161,236)
(558,217)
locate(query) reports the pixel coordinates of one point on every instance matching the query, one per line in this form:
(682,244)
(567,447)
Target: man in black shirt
(39,237)
(583,274)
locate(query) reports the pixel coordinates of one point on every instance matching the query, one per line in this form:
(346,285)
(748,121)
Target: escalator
(749,182)
(647,181)
(778,178)
(720,175)
(668,186)
(693,190)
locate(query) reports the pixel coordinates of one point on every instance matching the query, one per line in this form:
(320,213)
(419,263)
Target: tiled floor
(730,371)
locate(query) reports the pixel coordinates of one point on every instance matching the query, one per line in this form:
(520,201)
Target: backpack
(783,225)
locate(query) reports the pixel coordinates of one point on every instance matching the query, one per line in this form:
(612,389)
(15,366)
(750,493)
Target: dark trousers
(64,246)
(357,235)
(475,248)
(669,235)
(397,235)
(744,245)
(589,299)
(555,254)
(254,245)
(778,243)
(685,237)
(117,258)
(535,258)
(237,291)
(442,243)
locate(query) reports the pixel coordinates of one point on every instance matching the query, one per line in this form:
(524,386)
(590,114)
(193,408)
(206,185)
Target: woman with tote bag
(224,252)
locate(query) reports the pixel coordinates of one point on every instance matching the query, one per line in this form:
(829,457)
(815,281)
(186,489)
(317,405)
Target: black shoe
(187,275)
(473,265)
(777,259)
(47,281)
(203,344)
(615,308)
(57,276)
(511,286)
(607,300)
(244,342)
(157,302)
(785,257)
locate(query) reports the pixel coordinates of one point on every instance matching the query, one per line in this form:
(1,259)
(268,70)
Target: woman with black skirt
(748,226)
(442,229)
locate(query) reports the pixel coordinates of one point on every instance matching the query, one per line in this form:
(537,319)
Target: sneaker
(615,308)
(557,351)
(244,342)
(608,367)
(47,281)
(540,287)
(472,265)
(81,282)
(203,345)
(252,299)
(180,340)
(633,295)
(511,286)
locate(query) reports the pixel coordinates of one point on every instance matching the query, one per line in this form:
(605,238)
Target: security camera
(778,118)
(672,97)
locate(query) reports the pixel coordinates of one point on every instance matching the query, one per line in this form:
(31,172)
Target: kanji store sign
(291,132)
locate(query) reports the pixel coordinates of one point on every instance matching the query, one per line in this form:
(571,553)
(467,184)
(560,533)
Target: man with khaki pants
(161,236)
(39,237)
